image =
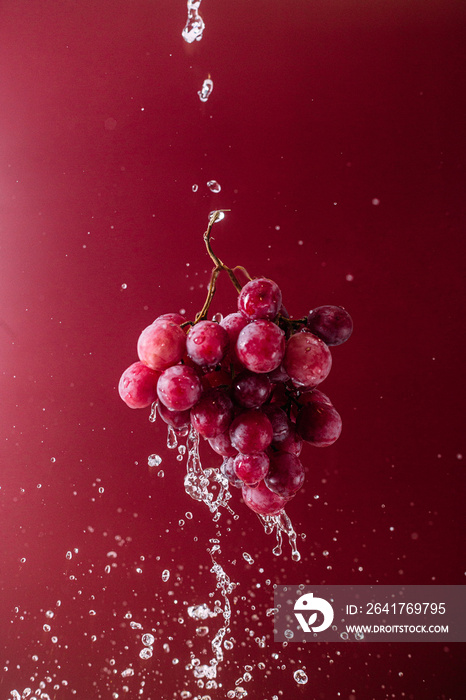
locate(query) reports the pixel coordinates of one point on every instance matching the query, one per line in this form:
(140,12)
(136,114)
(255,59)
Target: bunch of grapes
(246,383)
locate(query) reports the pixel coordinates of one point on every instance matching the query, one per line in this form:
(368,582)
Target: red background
(318,109)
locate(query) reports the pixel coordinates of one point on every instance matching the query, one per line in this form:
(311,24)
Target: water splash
(281,523)
(226,587)
(195,26)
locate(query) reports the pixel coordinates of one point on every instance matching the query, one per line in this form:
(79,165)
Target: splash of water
(195,26)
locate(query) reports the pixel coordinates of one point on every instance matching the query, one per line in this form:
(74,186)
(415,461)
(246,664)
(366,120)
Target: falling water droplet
(214,187)
(300,676)
(154,460)
(194,24)
(206,90)
(148,639)
(165,575)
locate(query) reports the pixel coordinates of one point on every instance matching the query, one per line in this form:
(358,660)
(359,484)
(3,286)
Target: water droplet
(165,575)
(161,473)
(289,634)
(206,90)
(127,672)
(52,459)
(46,628)
(359,636)
(172,440)
(69,555)
(247,557)
(300,677)
(154,460)
(220,215)
(344,635)
(194,24)
(214,187)
(153,412)
(146,653)
(148,639)
(202,631)
(195,188)
(49,614)
(123,286)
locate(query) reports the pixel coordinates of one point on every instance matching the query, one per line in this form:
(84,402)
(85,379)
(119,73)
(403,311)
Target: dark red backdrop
(336,131)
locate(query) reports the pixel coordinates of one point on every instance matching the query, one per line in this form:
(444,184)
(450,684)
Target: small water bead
(344,635)
(165,575)
(148,639)
(359,636)
(206,90)
(202,631)
(146,653)
(214,186)
(289,634)
(161,473)
(49,614)
(52,459)
(69,555)
(188,515)
(300,677)
(46,628)
(195,188)
(123,286)
(154,460)
(135,625)
(127,672)
(172,440)
(247,557)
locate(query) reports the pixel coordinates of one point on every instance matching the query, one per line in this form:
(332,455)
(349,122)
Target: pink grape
(251,468)
(177,419)
(251,390)
(261,346)
(286,474)
(332,324)
(307,359)
(262,500)
(207,343)
(260,298)
(221,444)
(292,443)
(314,396)
(319,424)
(281,425)
(179,388)
(251,431)
(138,385)
(161,345)
(174,317)
(233,324)
(212,414)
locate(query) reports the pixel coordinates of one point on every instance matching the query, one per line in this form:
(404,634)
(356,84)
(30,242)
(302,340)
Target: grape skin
(286,474)
(251,468)
(207,343)
(307,359)
(161,345)
(251,431)
(319,424)
(212,414)
(251,390)
(221,444)
(332,324)
(179,388)
(260,298)
(262,500)
(138,385)
(177,419)
(261,346)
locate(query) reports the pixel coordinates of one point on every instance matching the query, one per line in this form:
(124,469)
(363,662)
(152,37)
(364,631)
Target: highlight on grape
(247,383)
